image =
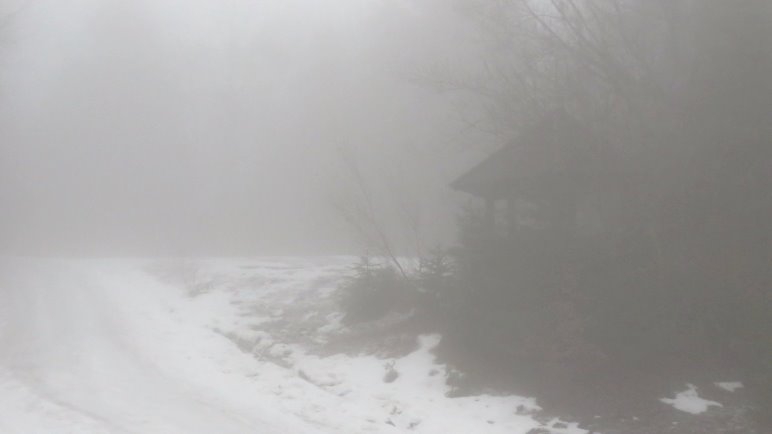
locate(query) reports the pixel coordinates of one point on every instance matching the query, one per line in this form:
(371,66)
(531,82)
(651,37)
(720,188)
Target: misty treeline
(676,279)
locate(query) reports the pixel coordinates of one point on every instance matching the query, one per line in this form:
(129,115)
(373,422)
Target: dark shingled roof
(557,144)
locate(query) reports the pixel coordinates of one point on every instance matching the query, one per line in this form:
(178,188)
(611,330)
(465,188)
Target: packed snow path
(82,352)
(106,347)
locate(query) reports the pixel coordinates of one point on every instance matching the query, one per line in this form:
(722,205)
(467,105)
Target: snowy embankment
(212,347)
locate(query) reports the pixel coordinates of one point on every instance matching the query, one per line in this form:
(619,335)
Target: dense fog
(429,216)
(179,127)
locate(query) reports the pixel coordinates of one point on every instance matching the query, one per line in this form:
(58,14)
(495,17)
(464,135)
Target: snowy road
(84,352)
(110,347)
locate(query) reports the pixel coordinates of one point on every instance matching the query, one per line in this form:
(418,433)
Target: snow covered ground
(217,346)
(690,402)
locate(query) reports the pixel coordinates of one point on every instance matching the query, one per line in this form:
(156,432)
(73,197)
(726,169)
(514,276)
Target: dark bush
(374,290)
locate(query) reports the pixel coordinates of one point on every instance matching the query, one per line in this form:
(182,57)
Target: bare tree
(360,212)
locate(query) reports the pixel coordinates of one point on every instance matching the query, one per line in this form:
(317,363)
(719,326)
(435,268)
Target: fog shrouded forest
(218,127)
(520,216)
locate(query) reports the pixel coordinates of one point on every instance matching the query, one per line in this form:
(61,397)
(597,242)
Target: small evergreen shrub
(374,290)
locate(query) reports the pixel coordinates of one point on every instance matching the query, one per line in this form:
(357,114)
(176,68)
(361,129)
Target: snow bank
(107,347)
(341,392)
